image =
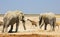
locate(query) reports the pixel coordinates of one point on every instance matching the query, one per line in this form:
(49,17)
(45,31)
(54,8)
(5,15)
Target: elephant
(12,17)
(47,18)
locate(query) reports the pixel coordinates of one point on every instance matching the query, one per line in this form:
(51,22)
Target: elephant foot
(24,28)
(10,32)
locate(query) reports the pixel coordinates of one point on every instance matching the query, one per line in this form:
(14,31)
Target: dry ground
(32,31)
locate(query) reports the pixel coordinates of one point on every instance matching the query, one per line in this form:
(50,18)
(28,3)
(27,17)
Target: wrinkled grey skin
(12,17)
(48,18)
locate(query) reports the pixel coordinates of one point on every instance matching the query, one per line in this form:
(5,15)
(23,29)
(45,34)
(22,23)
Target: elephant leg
(10,31)
(3,28)
(41,25)
(45,26)
(17,24)
(6,27)
(54,22)
(53,26)
(40,21)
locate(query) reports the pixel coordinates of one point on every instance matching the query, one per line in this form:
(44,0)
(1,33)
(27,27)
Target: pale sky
(30,6)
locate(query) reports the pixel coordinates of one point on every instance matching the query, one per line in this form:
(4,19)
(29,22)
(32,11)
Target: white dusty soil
(32,29)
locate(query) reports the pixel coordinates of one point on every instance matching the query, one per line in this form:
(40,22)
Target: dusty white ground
(31,28)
